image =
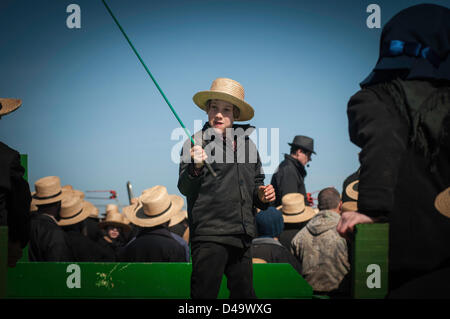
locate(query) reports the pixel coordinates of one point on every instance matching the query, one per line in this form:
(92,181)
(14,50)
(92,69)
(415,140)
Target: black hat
(417,41)
(304,142)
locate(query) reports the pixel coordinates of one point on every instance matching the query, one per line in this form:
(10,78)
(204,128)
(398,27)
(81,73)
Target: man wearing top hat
(14,193)
(291,173)
(221,209)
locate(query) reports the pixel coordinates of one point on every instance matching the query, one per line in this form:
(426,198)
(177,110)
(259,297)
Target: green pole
(156,83)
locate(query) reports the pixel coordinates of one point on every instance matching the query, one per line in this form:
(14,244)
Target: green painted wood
(24,163)
(138,280)
(371,247)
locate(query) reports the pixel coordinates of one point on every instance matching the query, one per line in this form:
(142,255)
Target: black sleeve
(289,180)
(189,180)
(376,127)
(18,204)
(259,181)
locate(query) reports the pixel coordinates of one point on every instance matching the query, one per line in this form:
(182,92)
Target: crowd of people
(400,119)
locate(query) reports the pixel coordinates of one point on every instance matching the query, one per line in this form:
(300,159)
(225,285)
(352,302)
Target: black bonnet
(415,43)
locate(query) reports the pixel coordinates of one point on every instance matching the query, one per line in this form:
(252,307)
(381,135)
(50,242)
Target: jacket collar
(296,163)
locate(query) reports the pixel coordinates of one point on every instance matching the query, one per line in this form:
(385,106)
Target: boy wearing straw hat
(221,209)
(115,230)
(48,242)
(14,193)
(154,242)
(73,214)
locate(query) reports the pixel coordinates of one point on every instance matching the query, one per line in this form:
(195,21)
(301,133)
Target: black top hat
(304,142)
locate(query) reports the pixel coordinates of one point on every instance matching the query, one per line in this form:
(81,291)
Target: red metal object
(112,194)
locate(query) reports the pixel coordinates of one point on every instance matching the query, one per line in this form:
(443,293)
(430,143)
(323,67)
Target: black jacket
(403,170)
(15,197)
(272,251)
(224,205)
(84,249)
(289,178)
(48,242)
(153,245)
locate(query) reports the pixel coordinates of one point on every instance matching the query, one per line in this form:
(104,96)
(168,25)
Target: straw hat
(352,190)
(442,202)
(112,208)
(294,209)
(73,209)
(9,105)
(94,211)
(155,207)
(178,217)
(114,219)
(350,206)
(226,90)
(48,190)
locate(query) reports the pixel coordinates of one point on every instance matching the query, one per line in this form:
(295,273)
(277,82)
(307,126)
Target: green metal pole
(156,83)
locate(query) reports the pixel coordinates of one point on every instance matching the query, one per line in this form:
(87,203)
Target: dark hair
(50,209)
(329,198)
(236,110)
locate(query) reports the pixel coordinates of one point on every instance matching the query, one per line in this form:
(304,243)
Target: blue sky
(93,117)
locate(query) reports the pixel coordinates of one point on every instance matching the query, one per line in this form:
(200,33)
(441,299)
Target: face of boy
(220,115)
(113,232)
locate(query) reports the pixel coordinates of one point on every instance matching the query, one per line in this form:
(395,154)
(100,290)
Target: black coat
(15,197)
(48,242)
(223,205)
(289,178)
(397,179)
(84,249)
(289,232)
(273,252)
(113,248)
(153,245)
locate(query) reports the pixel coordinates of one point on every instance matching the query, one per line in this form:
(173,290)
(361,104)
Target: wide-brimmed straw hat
(227,90)
(350,206)
(48,191)
(178,217)
(9,105)
(115,219)
(294,209)
(442,202)
(73,209)
(112,208)
(155,207)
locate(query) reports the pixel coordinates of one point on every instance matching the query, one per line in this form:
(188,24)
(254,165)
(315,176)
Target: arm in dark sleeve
(189,179)
(289,180)
(382,134)
(18,204)
(259,181)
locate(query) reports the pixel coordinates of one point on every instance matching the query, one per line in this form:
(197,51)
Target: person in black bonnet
(400,119)
(14,193)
